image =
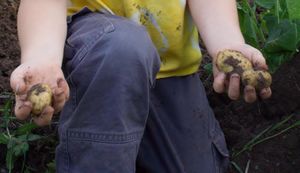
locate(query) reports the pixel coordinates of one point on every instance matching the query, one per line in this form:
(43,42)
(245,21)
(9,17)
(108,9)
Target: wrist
(48,61)
(43,54)
(42,58)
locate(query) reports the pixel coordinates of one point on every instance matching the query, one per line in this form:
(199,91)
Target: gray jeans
(119,119)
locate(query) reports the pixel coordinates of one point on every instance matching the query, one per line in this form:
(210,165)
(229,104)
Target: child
(132,100)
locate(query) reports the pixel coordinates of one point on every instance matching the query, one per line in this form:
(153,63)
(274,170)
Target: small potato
(259,79)
(40,95)
(249,77)
(264,79)
(231,61)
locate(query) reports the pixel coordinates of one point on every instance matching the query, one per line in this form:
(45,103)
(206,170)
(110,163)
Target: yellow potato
(249,77)
(231,61)
(264,79)
(40,95)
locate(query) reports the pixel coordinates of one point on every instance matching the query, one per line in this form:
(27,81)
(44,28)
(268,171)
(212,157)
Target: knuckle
(233,94)
(42,120)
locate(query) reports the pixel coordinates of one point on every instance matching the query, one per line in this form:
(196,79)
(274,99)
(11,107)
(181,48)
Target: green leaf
(11,143)
(208,68)
(274,60)
(236,166)
(265,3)
(271,21)
(249,29)
(282,9)
(283,37)
(33,137)
(51,167)
(21,149)
(27,170)
(21,138)
(293,7)
(29,137)
(3,139)
(7,113)
(26,128)
(275,20)
(297,22)
(10,159)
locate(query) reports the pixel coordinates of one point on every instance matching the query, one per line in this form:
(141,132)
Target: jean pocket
(109,153)
(84,31)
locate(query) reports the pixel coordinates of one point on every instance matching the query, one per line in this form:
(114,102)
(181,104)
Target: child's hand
(31,73)
(232,84)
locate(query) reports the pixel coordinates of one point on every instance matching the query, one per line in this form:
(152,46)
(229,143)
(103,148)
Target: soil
(240,121)
(9,47)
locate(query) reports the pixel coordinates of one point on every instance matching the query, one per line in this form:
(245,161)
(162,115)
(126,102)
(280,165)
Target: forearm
(218,24)
(42,30)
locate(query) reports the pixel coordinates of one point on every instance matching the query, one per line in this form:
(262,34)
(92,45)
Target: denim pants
(119,119)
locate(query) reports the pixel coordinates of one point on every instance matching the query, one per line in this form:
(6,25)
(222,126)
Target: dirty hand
(231,83)
(31,73)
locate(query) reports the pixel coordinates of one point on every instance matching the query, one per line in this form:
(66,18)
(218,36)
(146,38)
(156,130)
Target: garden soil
(240,121)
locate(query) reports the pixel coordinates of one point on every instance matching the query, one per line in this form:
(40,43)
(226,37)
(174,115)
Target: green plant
(273,27)
(16,136)
(51,167)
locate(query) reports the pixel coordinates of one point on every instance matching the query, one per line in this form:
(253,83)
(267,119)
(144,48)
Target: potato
(249,77)
(40,95)
(231,61)
(264,79)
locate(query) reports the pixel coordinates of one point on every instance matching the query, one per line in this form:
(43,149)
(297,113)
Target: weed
(16,136)
(267,134)
(239,169)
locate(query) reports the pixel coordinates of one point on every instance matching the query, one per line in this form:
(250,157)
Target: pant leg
(110,64)
(182,134)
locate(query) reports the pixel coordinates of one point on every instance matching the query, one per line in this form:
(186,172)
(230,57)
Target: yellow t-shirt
(169,24)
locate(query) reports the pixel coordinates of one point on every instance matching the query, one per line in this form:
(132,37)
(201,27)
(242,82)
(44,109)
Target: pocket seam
(108,138)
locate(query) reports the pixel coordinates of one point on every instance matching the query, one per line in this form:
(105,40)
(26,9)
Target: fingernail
(235,75)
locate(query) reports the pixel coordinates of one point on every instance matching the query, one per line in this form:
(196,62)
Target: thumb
(255,56)
(17,82)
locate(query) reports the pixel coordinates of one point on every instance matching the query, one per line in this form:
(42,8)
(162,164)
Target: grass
(239,169)
(267,134)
